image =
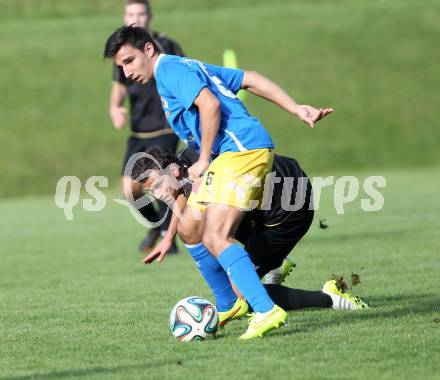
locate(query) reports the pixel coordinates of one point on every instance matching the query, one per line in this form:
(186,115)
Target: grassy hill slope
(373,61)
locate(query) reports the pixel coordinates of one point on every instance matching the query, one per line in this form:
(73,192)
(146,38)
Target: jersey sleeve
(177,49)
(118,75)
(188,156)
(183,81)
(232,78)
(169,46)
(173,48)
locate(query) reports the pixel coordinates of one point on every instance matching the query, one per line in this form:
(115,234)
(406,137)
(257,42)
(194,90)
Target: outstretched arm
(265,88)
(118,112)
(160,251)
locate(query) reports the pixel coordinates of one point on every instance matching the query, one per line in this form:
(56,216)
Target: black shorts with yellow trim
(267,245)
(140,142)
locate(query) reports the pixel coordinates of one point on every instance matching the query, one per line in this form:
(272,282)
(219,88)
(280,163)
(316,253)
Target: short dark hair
(144,2)
(132,35)
(158,159)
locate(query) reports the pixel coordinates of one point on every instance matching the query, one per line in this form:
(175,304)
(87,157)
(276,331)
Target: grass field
(76,302)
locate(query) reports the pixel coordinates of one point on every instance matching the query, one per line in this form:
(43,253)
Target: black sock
(293,299)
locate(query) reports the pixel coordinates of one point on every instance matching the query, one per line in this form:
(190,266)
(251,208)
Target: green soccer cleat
(238,310)
(278,275)
(262,323)
(341,300)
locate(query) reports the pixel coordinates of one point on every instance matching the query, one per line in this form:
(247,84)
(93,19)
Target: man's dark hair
(131,35)
(144,2)
(158,159)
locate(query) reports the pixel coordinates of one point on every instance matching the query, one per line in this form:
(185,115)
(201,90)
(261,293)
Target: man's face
(137,65)
(163,186)
(137,14)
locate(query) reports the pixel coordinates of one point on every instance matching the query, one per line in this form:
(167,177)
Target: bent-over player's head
(134,50)
(138,13)
(160,172)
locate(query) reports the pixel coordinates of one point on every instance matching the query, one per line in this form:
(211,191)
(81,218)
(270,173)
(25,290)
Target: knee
(216,239)
(210,240)
(187,236)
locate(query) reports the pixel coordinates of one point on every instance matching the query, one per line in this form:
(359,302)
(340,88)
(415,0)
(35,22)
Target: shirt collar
(157,63)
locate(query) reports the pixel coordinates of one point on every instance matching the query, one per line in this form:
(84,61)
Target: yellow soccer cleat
(341,300)
(262,323)
(278,275)
(238,310)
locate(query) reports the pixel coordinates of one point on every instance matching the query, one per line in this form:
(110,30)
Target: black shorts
(269,246)
(138,145)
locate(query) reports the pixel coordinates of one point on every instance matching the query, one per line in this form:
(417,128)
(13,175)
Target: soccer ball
(193,318)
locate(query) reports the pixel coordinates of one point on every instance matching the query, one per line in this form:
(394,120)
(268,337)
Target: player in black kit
(149,127)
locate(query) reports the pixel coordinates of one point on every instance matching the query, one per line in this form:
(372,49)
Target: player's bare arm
(209,109)
(118,112)
(265,88)
(161,250)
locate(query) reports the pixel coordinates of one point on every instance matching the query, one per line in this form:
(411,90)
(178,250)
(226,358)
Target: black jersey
(285,192)
(291,194)
(146,108)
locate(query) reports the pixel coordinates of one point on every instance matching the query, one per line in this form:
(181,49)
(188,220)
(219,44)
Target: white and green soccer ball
(193,318)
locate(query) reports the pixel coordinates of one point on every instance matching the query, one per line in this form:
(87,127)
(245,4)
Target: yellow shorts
(192,202)
(234,179)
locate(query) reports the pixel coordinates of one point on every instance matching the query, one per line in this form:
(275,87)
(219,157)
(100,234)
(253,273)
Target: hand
(197,169)
(310,114)
(119,117)
(159,252)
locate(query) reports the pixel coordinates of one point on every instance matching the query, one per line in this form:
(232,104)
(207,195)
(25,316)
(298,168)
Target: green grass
(76,302)
(373,61)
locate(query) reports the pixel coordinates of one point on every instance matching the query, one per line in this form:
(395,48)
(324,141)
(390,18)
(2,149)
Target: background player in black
(148,123)
(268,235)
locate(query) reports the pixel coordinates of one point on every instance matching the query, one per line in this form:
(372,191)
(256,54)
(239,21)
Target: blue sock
(214,275)
(237,264)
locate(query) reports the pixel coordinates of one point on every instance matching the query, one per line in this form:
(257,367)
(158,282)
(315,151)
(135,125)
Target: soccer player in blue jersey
(235,151)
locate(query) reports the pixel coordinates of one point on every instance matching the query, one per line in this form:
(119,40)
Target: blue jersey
(179,81)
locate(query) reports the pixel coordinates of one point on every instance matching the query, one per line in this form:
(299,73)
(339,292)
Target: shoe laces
(354,299)
(358,301)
